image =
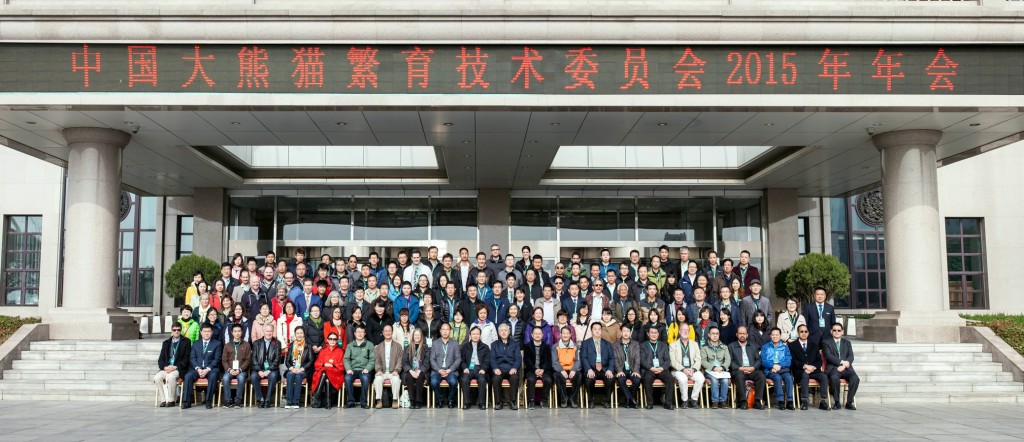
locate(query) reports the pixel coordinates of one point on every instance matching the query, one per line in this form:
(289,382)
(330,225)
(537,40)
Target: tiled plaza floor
(65,421)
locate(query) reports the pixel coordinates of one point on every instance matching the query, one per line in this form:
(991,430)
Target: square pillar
(782,210)
(494,212)
(208,210)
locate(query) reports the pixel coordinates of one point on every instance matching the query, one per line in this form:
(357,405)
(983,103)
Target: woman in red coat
(329,363)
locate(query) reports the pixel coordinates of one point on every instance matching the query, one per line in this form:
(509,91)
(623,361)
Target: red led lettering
(689,66)
(86,62)
(526,68)
(886,68)
(197,68)
(142,65)
(749,68)
(363,61)
(418,65)
(635,68)
(580,67)
(309,67)
(252,68)
(830,65)
(943,69)
(472,63)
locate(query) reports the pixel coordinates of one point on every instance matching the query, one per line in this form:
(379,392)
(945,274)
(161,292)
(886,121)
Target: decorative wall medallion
(126,204)
(869,208)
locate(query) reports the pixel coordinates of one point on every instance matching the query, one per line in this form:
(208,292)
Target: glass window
(596,219)
(965,263)
(665,219)
(184,235)
(391,218)
(534,219)
(314,219)
(137,253)
(739,219)
(453,219)
(802,228)
(21,259)
(249,218)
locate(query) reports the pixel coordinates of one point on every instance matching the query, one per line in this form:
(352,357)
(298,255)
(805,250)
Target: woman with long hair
(416,367)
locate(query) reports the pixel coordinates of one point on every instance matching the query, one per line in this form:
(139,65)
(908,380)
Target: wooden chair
(356,382)
(200,384)
(431,400)
(496,395)
(282,386)
(473,383)
(234,383)
(599,383)
(658,384)
(263,384)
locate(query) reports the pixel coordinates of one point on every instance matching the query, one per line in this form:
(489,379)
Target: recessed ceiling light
(466,141)
(466,155)
(769,124)
(235,123)
(662,124)
(341,123)
(975,124)
(467,167)
(556,124)
(529,155)
(30,122)
(449,124)
(534,141)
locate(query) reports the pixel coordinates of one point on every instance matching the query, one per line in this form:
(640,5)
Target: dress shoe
(790,406)
(163,405)
(823,406)
(497,406)
(743,405)
(780,405)
(209,405)
(562,404)
(530,405)
(691,403)
(836,406)
(682,405)
(415,406)
(573,404)
(483,407)
(850,406)
(803,405)
(350,405)
(186,406)
(452,404)
(669,406)
(633,405)
(649,407)
(378,405)
(365,406)
(513,406)
(394,404)
(608,403)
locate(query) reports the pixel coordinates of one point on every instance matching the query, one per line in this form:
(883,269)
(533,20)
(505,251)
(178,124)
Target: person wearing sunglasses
(839,365)
(806,366)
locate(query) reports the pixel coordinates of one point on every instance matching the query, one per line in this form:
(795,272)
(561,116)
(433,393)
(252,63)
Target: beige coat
(396,358)
(675,354)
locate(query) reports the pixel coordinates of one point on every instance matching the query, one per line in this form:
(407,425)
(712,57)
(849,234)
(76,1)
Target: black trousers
(531,384)
(630,390)
(740,379)
(513,390)
(666,377)
(590,383)
(324,394)
(563,393)
(481,383)
(833,384)
(803,380)
(415,386)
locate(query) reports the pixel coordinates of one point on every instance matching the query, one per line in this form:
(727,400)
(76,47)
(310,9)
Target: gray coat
(441,360)
(748,307)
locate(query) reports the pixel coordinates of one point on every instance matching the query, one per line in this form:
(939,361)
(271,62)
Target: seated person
(684,354)
(330,372)
(205,362)
(597,362)
(445,360)
(297,361)
(627,362)
(654,362)
(387,366)
(537,365)
(775,359)
(806,365)
(566,366)
(745,361)
(266,357)
(839,365)
(359,361)
(172,362)
(476,360)
(506,360)
(236,359)
(715,360)
(416,368)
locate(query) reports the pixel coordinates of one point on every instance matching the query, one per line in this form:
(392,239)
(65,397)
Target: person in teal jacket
(776,359)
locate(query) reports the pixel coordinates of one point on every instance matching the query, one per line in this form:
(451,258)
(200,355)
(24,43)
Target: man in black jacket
(654,362)
(537,365)
(745,365)
(172,362)
(476,363)
(266,357)
(839,365)
(806,366)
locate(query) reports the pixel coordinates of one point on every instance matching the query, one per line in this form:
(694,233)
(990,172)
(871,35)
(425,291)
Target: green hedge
(1008,327)
(810,271)
(11,324)
(179,275)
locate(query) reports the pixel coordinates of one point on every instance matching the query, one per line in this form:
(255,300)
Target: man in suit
(306,300)
(746,271)
(173,361)
(744,364)
(597,361)
(839,365)
(445,360)
(225,275)
(678,268)
(537,367)
(819,315)
(806,366)
(204,358)
(655,362)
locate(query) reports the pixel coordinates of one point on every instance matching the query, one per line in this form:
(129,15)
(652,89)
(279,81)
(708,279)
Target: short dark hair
(727,260)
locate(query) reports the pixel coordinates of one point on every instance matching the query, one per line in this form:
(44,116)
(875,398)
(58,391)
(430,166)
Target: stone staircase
(890,373)
(931,373)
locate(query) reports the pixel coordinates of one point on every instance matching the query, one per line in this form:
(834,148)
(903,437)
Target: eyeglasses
(176,330)
(836,330)
(495,249)
(558,282)
(805,331)
(332,339)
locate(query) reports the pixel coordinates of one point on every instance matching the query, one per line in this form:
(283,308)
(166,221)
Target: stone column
(494,209)
(91,235)
(208,223)
(782,209)
(918,308)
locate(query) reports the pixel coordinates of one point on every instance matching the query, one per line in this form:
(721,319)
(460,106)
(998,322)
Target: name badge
(234,365)
(472,365)
(821,322)
(656,364)
(598,358)
(686,361)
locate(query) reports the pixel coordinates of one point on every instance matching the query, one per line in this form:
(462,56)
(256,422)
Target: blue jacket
(413,304)
(769,353)
(572,306)
(528,331)
(293,294)
(497,309)
(588,356)
(301,309)
(505,357)
(211,359)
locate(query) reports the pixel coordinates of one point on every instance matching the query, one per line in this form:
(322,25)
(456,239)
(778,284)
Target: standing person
(839,366)
(790,321)
(476,360)
(416,367)
(266,359)
(806,366)
(684,354)
(754,303)
(359,360)
(819,315)
(387,367)
(236,359)
(330,373)
(189,326)
(261,320)
(654,362)
(488,331)
(776,360)
(286,324)
(747,272)
(517,327)
(627,361)
(716,361)
(444,362)
(298,361)
(495,262)
(172,362)
(205,363)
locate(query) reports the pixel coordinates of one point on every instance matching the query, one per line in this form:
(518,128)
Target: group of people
(500,324)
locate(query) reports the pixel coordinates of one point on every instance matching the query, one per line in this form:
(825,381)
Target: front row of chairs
(584,398)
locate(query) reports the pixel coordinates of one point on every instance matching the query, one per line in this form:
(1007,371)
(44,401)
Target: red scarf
(704,323)
(288,326)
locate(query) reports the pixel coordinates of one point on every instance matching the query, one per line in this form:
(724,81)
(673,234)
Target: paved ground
(61,421)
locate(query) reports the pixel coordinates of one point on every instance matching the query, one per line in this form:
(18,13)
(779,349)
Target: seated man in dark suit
(205,362)
(806,366)
(597,359)
(537,367)
(839,365)
(745,361)
(655,362)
